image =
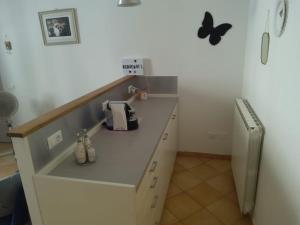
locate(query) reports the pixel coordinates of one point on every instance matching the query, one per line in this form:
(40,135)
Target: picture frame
(59,27)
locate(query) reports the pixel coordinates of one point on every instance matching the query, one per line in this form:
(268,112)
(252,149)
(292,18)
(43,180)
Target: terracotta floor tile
(204,194)
(226,211)
(182,206)
(202,218)
(173,190)
(206,159)
(229,173)
(233,197)
(204,172)
(168,218)
(244,221)
(222,183)
(185,180)
(198,183)
(188,162)
(220,164)
(178,168)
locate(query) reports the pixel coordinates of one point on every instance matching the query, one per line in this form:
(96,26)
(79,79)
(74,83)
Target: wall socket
(132,89)
(55,139)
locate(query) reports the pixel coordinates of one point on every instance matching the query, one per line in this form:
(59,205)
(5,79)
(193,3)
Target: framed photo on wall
(59,27)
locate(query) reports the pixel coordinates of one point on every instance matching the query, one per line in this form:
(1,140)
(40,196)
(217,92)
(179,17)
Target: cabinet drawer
(150,201)
(167,157)
(154,186)
(149,180)
(147,215)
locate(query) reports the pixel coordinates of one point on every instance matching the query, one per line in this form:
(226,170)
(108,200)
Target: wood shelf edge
(35,124)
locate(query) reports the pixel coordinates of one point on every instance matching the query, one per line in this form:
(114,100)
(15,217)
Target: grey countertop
(122,156)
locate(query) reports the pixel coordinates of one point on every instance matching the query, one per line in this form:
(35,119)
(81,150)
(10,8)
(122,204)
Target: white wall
(164,31)
(273,91)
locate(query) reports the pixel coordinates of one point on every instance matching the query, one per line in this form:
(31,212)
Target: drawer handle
(165,137)
(154,182)
(153,206)
(173,117)
(153,167)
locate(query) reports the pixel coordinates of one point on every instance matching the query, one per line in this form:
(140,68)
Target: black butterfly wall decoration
(208,28)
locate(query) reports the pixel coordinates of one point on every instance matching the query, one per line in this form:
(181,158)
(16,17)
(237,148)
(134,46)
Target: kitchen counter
(123,156)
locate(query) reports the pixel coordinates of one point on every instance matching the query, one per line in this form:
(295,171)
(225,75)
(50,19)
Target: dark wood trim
(35,124)
(204,155)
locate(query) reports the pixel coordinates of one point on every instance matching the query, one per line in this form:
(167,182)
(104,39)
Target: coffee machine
(120,116)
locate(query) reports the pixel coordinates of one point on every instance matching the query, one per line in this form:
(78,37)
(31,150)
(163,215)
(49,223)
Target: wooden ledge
(35,124)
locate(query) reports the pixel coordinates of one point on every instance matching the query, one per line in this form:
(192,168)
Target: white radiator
(247,140)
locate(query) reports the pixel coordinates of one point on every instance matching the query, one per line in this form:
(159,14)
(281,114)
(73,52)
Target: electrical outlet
(131,89)
(104,105)
(55,139)
(8,45)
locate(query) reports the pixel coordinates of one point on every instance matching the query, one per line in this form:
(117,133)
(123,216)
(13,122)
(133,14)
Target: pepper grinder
(80,152)
(90,151)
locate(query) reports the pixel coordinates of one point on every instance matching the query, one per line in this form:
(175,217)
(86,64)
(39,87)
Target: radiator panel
(246,147)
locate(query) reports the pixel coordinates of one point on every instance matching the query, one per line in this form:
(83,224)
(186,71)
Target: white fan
(8,107)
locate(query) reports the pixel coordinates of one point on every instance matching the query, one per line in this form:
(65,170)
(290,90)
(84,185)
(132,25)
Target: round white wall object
(280,18)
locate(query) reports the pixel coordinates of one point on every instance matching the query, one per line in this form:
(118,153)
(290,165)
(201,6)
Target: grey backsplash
(158,84)
(89,115)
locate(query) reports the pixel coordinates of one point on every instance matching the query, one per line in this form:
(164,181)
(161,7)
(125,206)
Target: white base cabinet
(67,201)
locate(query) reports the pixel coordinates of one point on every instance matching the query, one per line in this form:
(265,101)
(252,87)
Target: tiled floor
(202,192)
